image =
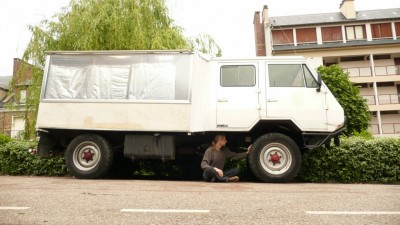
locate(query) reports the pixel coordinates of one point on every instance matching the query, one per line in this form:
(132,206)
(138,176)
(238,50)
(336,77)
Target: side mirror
(319,81)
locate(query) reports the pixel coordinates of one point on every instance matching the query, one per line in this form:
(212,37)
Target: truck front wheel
(275,158)
(88,156)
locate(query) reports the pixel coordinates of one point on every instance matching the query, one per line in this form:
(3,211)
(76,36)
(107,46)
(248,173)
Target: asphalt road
(65,200)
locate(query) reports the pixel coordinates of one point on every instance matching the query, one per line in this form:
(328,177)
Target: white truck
(158,104)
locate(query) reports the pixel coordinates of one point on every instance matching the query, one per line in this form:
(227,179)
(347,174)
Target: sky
(229,22)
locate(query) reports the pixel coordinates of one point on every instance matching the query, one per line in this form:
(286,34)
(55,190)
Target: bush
(18,157)
(358,159)
(4,139)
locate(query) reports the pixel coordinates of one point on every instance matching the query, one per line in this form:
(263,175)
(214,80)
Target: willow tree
(205,43)
(96,25)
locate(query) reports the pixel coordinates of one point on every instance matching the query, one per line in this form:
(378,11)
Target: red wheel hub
(275,158)
(88,156)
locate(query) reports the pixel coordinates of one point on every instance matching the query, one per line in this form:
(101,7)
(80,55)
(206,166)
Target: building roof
(334,18)
(5,81)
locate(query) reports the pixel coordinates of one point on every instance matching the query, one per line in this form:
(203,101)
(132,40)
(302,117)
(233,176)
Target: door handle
(272,100)
(222,100)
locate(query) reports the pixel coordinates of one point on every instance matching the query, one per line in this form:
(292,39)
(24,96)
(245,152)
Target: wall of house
(24,68)
(7,118)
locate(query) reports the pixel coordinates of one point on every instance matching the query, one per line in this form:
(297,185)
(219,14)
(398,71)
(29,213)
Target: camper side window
(238,76)
(285,75)
(118,77)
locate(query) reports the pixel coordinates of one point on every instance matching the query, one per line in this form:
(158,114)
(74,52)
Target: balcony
(356,72)
(387,128)
(387,70)
(383,99)
(359,71)
(388,99)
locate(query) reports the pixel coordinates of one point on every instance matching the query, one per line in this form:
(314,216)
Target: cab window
(310,80)
(290,75)
(238,76)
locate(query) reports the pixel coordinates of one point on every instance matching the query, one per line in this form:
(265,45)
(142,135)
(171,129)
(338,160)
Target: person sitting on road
(214,160)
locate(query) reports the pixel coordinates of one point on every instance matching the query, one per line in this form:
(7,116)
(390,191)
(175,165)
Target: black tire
(275,157)
(88,156)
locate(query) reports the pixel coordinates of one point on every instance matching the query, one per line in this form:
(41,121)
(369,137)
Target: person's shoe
(234,179)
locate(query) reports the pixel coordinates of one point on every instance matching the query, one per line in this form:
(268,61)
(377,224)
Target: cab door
(292,93)
(237,96)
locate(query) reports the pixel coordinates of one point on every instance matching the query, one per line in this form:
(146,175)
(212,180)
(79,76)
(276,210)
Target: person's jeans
(210,174)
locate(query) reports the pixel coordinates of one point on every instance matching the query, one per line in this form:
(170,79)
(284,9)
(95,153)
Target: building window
(381,57)
(238,76)
(355,32)
(397,27)
(385,84)
(281,37)
(383,30)
(306,35)
(18,126)
(352,59)
(330,34)
(22,98)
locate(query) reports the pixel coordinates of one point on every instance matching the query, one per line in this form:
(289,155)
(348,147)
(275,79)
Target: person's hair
(217,138)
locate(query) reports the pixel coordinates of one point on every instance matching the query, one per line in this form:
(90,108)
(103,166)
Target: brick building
(366,44)
(12,118)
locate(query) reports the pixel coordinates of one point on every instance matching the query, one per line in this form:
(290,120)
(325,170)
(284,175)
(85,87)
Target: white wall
(315,62)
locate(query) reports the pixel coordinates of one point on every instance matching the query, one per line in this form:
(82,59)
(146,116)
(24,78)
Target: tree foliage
(206,44)
(354,106)
(96,25)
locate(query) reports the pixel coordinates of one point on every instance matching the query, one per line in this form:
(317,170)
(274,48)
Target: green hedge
(356,160)
(19,157)
(4,139)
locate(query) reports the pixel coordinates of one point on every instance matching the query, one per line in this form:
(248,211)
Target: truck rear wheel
(88,156)
(275,158)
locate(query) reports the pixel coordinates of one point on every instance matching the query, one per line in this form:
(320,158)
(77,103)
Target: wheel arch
(286,127)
